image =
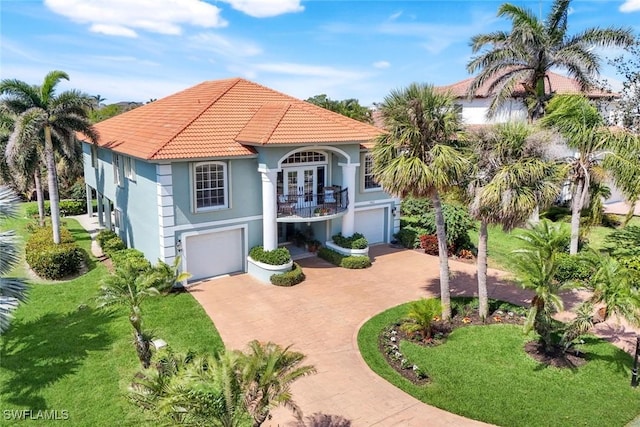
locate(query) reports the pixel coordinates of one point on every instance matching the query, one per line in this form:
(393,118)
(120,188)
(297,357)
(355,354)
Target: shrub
(351,262)
(572,267)
(625,242)
(130,256)
(356,241)
(112,245)
(289,278)
(610,220)
(429,243)
(51,261)
(408,237)
(105,235)
(412,206)
(278,256)
(67,207)
(556,213)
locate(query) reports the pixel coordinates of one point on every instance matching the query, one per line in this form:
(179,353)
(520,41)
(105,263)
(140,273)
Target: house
(474,110)
(209,172)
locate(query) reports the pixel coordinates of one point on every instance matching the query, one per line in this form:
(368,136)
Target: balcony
(332,202)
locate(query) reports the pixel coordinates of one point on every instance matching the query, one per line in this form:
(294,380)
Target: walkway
(321,318)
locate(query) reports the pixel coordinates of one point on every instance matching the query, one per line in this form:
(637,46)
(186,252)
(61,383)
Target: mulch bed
(390,338)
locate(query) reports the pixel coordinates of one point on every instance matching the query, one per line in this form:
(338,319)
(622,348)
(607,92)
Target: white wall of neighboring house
(474,112)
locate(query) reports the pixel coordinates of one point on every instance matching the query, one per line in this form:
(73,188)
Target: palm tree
(624,167)
(12,290)
(535,266)
(511,178)
(128,287)
(421,315)
(268,370)
(419,156)
(59,117)
(531,49)
(97,100)
(581,125)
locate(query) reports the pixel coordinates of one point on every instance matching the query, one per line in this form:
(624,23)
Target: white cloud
(224,45)
(266,8)
(630,6)
(124,17)
(395,16)
(381,64)
(305,70)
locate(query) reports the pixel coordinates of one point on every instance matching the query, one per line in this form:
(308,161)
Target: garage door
(371,223)
(213,254)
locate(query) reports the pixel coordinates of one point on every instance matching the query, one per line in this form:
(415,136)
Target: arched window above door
(305,157)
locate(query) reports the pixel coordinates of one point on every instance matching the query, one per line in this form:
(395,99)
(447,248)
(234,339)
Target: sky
(137,50)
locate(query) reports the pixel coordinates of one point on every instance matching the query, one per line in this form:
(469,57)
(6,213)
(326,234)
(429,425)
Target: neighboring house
(209,172)
(474,110)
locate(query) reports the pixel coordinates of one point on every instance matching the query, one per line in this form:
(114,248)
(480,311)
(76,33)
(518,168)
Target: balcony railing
(331,201)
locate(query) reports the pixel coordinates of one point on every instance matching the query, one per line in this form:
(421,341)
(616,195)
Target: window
(117,169)
(210,186)
(305,157)
(367,172)
(457,108)
(130,168)
(117,218)
(94,157)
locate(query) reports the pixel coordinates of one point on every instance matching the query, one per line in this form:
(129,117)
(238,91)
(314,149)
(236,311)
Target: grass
(61,353)
(482,372)
(501,243)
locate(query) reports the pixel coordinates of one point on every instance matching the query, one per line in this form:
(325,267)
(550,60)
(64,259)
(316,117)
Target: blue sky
(135,50)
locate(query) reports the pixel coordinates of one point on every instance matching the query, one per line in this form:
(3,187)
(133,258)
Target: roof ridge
(276,122)
(233,82)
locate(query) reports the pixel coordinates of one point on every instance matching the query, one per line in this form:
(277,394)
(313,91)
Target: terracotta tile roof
(224,118)
(556,82)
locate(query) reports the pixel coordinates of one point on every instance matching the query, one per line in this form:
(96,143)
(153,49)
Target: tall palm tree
(129,288)
(511,178)
(531,49)
(535,265)
(12,290)
(419,156)
(268,370)
(581,125)
(58,116)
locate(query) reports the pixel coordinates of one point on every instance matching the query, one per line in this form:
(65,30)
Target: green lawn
(501,243)
(482,372)
(62,354)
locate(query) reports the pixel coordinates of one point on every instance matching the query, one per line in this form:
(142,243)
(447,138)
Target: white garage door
(371,223)
(213,254)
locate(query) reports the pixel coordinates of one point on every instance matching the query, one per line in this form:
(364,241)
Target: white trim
(375,202)
(196,226)
(165,209)
(94,156)
(130,168)
(363,172)
(183,237)
(118,169)
(317,148)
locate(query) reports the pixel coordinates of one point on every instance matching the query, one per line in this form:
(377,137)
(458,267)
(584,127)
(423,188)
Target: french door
(300,184)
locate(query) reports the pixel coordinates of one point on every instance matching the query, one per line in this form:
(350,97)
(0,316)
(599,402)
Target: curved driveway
(321,317)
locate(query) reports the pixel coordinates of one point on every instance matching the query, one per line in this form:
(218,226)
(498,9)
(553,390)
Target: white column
(107,212)
(89,204)
(269,207)
(100,201)
(349,182)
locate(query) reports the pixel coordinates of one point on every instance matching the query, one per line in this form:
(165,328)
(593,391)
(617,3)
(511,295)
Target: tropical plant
(13,290)
(419,156)
(623,164)
(535,266)
(511,179)
(165,277)
(581,125)
(268,370)
(421,315)
(129,288)
(58,117)
(525,54)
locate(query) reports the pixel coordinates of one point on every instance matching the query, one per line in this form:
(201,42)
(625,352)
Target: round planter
(263,272)
(347,252)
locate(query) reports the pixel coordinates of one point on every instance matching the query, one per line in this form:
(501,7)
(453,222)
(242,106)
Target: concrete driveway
(321,318)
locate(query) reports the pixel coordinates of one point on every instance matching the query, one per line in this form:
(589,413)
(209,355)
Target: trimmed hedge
(572,267)
(67,208)
(110,242)
(51,261)
(356,241)
(351,262)
(290,278)
(133,257)
(105,235)
(278,256)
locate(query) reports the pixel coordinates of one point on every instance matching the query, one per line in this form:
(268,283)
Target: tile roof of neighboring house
(225,118)
(557,83)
